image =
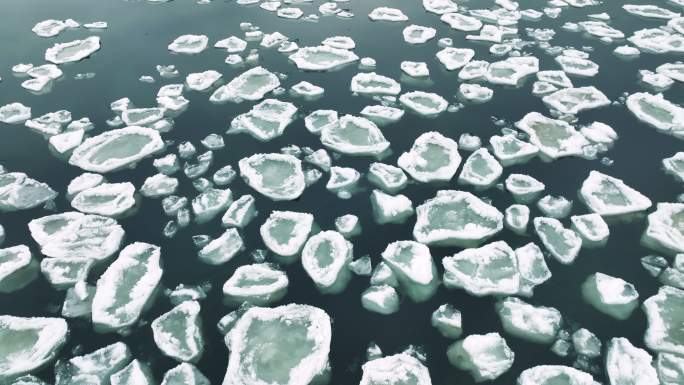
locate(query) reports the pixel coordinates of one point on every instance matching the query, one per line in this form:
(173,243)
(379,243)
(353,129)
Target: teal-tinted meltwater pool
(354,192)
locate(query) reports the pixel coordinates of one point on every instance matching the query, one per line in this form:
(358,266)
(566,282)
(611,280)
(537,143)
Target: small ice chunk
(189,44)
(586,343)
(398,369)
(564,244)
(287,344)
(18,268)
(116,149)
(277,176)
(389,178)
(240,212)
(475,93)
(325,258)
(208,204)
(107,199)
(610,295)
(72,51)
(259,284)
(481,169)
(285,232)
(461,22)
(674,166)
(29,344)
(178,332)
(592,228)
(159,185)
(202,81)
(532,267)
(418,34)
(415,69)
(456,218)
(316,121)
(538,324)
(608,196)
(382,299)
(307,90)
(432,158)
(343,181)
(577,66)
(517,217)
(222,249)
(448,320)
(485,356)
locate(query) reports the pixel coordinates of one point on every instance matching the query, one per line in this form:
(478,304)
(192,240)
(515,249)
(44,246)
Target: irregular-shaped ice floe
(222,249)
(381,299)
(554,138)
(424,103)
(277,176)
(629,365)
(608,196)
(485,356)
(574,100)
(564,244)
(286,345)
(665,318)
(258,284)
(28,344)
(414,268)
(119,302)
(371,83)
(108,199)
(76,50)
(657,112)
(19,192)
(285,232)
(533,323)
(456,218)
(14,113)
(178,332)
(76,235)
(432,158)
(592,228)
(610,295)
(481,169)
(189,44)
(512,70)
(455,58)
(490,269)
(322,58)
(116,149)
(251,85)
(390,208)
(18,268)
(325,258)
(395,370)
(555,375)
(265,121)
(511,150)
(354,135)
(387,14)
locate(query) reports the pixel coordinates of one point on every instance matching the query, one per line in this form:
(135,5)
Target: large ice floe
(116,149)
(76,50)
(283,345)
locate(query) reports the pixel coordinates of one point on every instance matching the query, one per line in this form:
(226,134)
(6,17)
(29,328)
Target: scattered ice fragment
(381,299)
(485,356)
(398,369)
(251,85)
(222,249)
(107,199)
(259,284)
(73,51)
(276,176)
(29,344)
(74,235)
(564,244)
(322,58)
(592,228)
(533,323)
(285,232)
(189,44)
(283,345)
(325,258)
(178,332)
(456,218)
(432,158)
(354,135)
(116,149)
(609,196)
(610,295)
(119,302)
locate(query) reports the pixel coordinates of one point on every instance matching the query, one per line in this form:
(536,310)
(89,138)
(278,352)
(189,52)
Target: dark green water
(136,42)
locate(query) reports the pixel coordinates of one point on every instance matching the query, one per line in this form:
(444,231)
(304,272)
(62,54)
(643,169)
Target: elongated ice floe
(325,258)
(189,44)
(20,192)
(322,58)
(116,149)
(178,332)
(608,196)
(283,345)
(259,284)
(397,369)
(456,218)
(432,158)
(76,50)
(266,121)
(52,27)
(29,344)
(277,176)
(119,302)
(554,138)
(251,85)
(370,83)
(107,199)
(74,235)
(657,112)
(354,135)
